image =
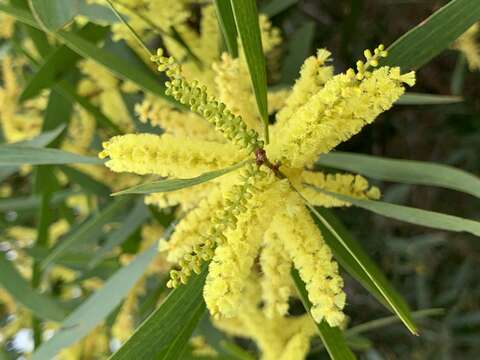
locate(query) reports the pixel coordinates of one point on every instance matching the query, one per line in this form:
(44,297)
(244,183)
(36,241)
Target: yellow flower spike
(313,259)
(223,220)
(346,184)
(334,114)
(8,26)
(276,281)
(469,45)
(313,75)
(17,122)
(278,338)
(166,155)
(188,231)
(232,263)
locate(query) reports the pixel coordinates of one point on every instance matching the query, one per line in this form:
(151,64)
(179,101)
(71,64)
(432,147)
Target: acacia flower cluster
(252,223)
(469,45)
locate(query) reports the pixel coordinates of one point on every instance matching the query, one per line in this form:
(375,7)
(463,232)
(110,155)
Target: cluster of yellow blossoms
(257,215)
(469,45)
(251,224)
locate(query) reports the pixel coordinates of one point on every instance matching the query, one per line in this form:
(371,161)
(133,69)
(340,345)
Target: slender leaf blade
(332,337)
(246,19)
(415,216)
(22,155)
(97,307)
(32,201)
(165,333)
(86,182)
(227,25)
(433,35)
(58,62)
(177,184)
(142,77)
(89,230)
(137,217)
(404,171)
(342,251)
(363,268)
(412,98)
(45,138)
(54,14)
(41,305)
(275,7)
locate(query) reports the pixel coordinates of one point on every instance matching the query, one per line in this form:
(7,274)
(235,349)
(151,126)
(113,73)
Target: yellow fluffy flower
(469,45)
(167,155)
(18,122)
(8,26)
(258,211)
(279,338)
(104,90)
(340,109)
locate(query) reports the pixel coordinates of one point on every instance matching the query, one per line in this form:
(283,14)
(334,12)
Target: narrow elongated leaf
(352,257)
(22,155)
(248,28)
(332,337)
(275,7)
(41,305)
(58,112)
(97,307)
(165,333)
(177,184)
(227,25)
(88,184)
(43,139)
(58,62)
(145,79)
(433,35)
(89,230)
(388,321)
(137,217)
(32,202)
(415,216)
(71,94)
(404,171)
(54,14)
(427,99)
(96,13)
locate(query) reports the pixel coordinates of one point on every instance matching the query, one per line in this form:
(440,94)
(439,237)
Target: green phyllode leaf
(404,171)
(15,155)
(413,215)
(412,98)
(54,14)
(177,184)
(97,307)
(227,25)
(246,19)
(166,332)
(41,305)
(433,35)
(351,256)
(332,337)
